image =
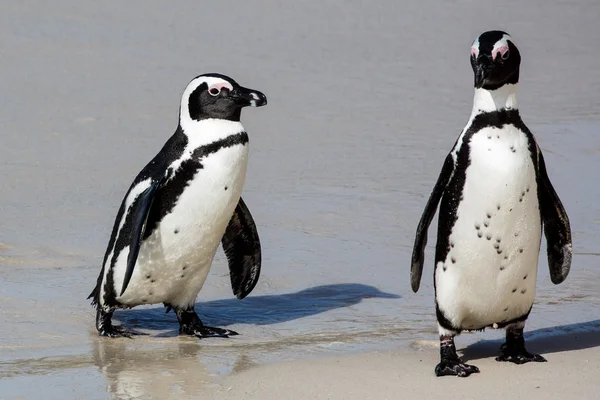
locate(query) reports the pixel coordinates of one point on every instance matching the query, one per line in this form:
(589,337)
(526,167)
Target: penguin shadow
(583,335)
(261,310)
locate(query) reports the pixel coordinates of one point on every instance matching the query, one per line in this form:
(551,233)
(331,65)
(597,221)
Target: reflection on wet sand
(141,368)
(149,367)
(44,365)
(265,336)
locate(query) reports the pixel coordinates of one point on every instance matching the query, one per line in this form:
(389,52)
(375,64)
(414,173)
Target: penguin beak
(483,67)
(248,97)
(479,77)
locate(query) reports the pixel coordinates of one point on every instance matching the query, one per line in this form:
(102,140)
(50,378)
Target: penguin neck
(503,98)
(209,130)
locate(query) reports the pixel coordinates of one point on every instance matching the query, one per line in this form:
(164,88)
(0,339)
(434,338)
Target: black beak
(483,68)
(248,97)
(480,75)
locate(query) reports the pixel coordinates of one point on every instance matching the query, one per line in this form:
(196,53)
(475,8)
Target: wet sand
(571,373)
(365,100)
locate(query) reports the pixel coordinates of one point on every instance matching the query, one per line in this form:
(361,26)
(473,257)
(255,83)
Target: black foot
(119,331)
(190,324)
(207,331)
(106,328)
(518,356)
(455,367)
(450,364)
(514,349)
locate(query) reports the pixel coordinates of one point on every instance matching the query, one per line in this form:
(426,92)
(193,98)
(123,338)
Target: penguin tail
(94,296)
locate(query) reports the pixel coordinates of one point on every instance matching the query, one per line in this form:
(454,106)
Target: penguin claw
(120,331)
(190,324)
(208,331)
(518,356)
(455,368)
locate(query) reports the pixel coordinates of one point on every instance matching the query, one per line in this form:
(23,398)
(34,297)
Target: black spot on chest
(454,189)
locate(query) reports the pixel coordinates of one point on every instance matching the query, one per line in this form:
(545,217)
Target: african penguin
(178,209)
(495,196)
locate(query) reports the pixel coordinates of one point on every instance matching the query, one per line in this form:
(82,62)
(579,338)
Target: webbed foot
(514,349)
(190,324)
(208,331)
(119,331)
(450,364)
(106,328)
(455,367)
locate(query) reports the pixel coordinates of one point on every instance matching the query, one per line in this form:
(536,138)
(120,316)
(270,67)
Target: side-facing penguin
(178,209)
(495,196)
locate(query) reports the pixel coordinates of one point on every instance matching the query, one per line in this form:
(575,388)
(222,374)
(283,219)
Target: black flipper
(242,248)
(137,233)
(556,226)
(418,256)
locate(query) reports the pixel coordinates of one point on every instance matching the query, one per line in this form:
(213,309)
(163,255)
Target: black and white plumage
(494,195)
(179,208)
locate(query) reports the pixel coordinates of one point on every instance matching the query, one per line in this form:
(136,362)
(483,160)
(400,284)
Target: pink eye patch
(502,50)
(220,86)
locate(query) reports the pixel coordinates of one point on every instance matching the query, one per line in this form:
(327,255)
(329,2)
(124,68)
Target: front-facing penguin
(495,196)
(178,209)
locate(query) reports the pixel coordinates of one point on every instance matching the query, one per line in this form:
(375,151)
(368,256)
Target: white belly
(490,272)
(174,261)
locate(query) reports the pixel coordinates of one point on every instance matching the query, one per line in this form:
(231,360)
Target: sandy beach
(365,99)
(570,373)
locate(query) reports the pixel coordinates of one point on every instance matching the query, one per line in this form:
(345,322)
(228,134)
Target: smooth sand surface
(408,374)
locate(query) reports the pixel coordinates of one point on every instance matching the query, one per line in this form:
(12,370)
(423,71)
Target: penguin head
(495,60)
(217,96)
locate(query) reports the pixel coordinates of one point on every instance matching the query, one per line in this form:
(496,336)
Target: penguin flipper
(242,248)
(556,226)
(137,230)
(418,255)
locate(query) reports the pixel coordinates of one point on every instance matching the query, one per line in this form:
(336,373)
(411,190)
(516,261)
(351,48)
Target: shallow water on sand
(365,100)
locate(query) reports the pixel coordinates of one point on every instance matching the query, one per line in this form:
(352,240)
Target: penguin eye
(214,91)
(505,54)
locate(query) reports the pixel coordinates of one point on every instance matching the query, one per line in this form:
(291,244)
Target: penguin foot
(202,331)
(190,324)
(513,350)
(456,368)
(450,364)
(518,356)
(106,328)
(208,331)
(119,331)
